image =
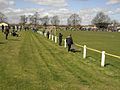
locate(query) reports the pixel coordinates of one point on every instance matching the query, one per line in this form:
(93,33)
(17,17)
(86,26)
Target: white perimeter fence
(103,53)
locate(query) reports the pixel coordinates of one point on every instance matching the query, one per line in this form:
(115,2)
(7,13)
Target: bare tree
(23,19)
(115,22)
(45,21)
(31,20)
(3,18)
(55,21)
(101,20)
(34,19)
(74,20)
(114,25)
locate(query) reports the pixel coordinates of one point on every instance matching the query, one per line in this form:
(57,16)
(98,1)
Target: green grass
(32,62)
(107,41)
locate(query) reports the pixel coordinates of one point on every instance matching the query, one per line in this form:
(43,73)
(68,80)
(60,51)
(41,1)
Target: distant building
(89,28)
(113,28)
(4,24)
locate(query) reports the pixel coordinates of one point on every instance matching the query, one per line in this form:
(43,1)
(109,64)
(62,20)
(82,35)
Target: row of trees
(101,20)
(73,20)
(3,18)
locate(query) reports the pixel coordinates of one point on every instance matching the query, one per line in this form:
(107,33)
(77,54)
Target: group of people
(6,31)
(69,40)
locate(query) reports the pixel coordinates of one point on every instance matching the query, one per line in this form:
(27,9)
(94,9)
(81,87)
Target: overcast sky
(87,9)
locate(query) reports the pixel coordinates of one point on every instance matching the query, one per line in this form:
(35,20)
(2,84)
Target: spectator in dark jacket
(69,41)
(3,28)
(60,39)
(43,32)
(7,32)
(48,33)
(13,27)
(17,27)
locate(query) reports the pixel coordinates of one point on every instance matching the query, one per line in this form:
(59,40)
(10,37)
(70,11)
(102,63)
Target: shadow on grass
(13,40)
(108,64)
(74,50)
(3,42)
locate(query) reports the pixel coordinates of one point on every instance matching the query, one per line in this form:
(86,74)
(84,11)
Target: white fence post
(52,37)
(40,32)
(45,34)
(84,52)
(49,36)
(103,59)
(65,44)
(55,39)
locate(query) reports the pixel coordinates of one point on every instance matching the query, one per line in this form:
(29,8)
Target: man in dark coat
(60,39)
(2,28)
(17,27)
(43,32)
(7,32)
(48,34)
(13,27)
(20,28)
(69,41)
(25,28)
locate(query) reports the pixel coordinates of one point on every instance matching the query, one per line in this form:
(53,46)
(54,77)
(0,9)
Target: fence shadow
(108,64)
(3,42)
(75,50)
(13,40)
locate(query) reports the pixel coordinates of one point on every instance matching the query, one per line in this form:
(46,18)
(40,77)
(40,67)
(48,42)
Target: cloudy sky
(87,9)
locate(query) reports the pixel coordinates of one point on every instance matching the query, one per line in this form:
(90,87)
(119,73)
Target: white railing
(103,53)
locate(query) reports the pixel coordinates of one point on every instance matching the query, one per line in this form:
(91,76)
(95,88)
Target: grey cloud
(53,3)
(6,3)
(113,2)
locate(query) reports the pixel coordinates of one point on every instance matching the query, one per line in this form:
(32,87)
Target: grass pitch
(32,62)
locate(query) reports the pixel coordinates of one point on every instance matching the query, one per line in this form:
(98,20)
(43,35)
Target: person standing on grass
(60,39)
(25,28)
(20,27)
(17,27)
(69,41)
(13,27)
(48,34)
(43,32)
(6,32)
(9,27)
(3,28)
